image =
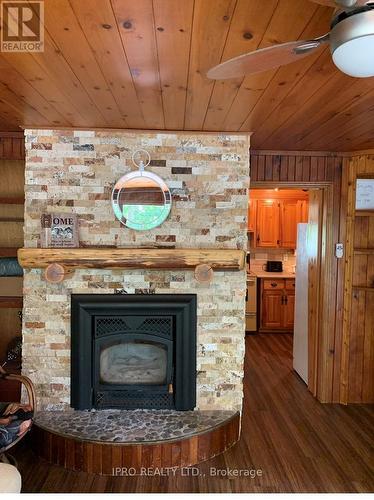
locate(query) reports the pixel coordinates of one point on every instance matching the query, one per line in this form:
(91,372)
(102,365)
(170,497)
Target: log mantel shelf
(132,258)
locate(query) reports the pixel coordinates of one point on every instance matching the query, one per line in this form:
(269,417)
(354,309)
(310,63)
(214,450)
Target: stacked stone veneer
(74,171)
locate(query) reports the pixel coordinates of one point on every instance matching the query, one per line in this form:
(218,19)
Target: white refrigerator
(300,338)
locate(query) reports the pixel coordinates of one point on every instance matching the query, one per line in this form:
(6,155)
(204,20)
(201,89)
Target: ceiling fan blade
(265,59)
(342,3)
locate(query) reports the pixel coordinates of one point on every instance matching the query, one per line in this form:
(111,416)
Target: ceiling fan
(351,41)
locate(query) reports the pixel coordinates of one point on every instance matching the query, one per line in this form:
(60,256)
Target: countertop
(265,274)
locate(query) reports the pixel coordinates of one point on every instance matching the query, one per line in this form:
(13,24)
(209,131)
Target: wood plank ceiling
(142,63)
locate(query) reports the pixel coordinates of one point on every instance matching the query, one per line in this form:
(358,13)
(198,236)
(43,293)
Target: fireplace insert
(133,351)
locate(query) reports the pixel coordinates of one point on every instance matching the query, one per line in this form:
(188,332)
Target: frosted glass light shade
(356,57)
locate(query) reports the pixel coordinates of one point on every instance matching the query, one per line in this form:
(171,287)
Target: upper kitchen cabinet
(274,215)
(289,218)
(252,210)
(267,224)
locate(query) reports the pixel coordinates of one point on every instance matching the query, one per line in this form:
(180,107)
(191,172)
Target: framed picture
(59,231)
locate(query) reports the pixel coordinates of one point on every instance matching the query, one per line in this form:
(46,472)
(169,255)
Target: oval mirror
(141,200)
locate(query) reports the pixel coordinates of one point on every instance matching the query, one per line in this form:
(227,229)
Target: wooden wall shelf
(132,258)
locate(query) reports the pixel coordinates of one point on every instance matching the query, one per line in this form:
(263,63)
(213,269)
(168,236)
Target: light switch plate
(339,250)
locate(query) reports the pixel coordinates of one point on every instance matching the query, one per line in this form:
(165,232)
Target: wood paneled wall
(12,192)
(357,231)
(12,146)
(295,166)
(347,352)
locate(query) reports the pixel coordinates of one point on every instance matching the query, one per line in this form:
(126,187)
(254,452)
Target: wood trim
(11,302)
(11,201)
(323,172)
(363,251)
(314,271)
(261,152)
(335,154)
(364,213)
(139,130)
(18,134)
(102,458)
(8,252)
(132,258)
(12,219)
(349,184)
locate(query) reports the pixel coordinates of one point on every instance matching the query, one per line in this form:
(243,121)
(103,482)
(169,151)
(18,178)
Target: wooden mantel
(132,258)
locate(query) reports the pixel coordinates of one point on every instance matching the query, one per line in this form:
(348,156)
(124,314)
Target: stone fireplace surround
(74,171)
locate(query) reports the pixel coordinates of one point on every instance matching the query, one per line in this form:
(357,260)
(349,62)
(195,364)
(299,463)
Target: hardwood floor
(299,444)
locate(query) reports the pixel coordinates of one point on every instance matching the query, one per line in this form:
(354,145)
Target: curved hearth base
(116,457)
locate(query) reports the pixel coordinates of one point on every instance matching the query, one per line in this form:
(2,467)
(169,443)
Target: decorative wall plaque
(365,194)
(59,231)
(141,200)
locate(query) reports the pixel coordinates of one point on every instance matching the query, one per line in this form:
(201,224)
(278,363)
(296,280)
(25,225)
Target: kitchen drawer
(251,322)
(290,284)
(276,284)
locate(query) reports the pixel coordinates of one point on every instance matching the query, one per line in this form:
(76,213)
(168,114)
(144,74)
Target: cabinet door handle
(258,238)
(285,299)
(273,285)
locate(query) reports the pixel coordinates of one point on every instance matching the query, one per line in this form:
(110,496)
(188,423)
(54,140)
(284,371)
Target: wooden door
(252,215)
(272,305)
(289,211)
(288,310)
(267,226)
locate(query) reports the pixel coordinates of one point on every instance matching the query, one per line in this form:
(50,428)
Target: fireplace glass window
(135,362)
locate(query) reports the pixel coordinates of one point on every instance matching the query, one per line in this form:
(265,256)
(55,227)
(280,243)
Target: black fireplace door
(132,369)
(133,351)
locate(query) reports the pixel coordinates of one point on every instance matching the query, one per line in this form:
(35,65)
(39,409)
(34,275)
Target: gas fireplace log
(132,258)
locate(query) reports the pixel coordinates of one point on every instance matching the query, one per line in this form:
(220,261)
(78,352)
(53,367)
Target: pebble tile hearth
(131,426)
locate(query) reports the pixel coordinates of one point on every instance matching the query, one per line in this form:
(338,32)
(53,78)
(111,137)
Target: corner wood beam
(132,258)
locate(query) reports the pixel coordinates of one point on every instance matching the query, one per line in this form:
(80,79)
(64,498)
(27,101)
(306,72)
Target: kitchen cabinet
(277,304)
(267,226)
(289,218)
(252,210)
(288,310)
(271,317)
(303,210)
(273,217)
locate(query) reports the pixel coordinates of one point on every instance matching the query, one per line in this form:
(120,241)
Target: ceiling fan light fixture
(352,44)
(356,57)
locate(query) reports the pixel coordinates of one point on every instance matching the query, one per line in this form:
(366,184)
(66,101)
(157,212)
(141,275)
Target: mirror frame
(149,175)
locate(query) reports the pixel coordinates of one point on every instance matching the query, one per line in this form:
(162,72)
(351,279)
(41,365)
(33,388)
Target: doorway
(290,265)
